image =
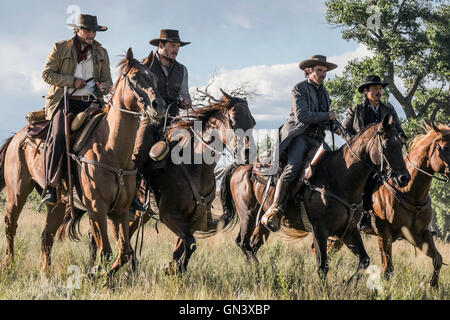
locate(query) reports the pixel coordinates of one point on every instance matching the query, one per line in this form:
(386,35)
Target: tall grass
(217,270)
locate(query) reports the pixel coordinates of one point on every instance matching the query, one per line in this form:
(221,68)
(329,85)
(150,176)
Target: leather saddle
(37,132)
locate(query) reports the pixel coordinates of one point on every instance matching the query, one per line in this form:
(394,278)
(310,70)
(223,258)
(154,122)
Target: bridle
(383,158)
(200,139)
(138,115)
(435,146)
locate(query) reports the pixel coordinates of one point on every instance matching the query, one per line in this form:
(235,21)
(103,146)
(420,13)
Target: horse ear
(226,96)
(149,60)
(434,126)
(388,121)
(129,55)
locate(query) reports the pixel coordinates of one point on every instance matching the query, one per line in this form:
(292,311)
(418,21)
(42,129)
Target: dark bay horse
(106,179)
(184,191)
(332,202)
(405,213)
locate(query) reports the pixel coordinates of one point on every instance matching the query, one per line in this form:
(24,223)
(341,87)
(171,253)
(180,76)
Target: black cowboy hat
(371,80)
(168,35)
(317,60)
(89,22)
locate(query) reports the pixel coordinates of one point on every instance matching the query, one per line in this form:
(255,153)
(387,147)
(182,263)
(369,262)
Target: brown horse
(405,213)
(184,192)
(105,177)
(332,203)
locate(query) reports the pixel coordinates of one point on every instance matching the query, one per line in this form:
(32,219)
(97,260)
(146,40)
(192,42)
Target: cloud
(21,64)
(272,85)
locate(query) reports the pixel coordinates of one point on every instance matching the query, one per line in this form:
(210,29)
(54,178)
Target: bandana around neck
(81,54)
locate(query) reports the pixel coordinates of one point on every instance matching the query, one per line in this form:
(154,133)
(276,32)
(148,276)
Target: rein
(426,173)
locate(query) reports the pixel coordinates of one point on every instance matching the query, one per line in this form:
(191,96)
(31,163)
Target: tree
(411,46)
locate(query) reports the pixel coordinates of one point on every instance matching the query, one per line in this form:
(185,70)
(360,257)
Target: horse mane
(124,65)
(199,114)
(429,131)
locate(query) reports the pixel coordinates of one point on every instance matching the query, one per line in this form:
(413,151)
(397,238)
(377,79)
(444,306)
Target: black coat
(305,110)
(355,119)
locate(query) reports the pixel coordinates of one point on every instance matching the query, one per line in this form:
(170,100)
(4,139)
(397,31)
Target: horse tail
(71,223)
(3,149)
(227,220)
(293,234)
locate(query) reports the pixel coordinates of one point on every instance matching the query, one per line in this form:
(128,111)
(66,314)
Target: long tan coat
(60,68)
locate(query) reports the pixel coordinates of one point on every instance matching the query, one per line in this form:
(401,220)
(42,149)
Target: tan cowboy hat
(371,80)
(317,60)
(88,22)
(168,35)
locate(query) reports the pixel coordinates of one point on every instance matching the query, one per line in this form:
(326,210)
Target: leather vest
(168,87)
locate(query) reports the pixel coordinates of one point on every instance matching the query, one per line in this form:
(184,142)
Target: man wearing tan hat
(172,85)
(82,65)
(303,131)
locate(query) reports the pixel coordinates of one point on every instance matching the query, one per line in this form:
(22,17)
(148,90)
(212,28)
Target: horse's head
(439,153)
(386,151)
(137,87)
(239,138)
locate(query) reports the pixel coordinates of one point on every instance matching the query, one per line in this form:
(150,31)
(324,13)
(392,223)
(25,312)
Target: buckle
(85,100)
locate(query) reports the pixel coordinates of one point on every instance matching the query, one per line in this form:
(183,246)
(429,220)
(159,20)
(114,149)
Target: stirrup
(49,199)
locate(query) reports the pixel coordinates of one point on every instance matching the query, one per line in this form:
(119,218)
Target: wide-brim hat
(371,80)
(168,35)
(317,60)
(88,22)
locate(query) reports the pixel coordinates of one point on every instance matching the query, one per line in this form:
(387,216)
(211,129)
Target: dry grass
(217,270)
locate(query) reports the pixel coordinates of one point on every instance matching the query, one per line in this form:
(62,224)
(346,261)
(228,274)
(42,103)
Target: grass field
(217,269)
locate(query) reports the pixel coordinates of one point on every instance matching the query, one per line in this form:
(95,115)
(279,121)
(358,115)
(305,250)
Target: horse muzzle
(401,178)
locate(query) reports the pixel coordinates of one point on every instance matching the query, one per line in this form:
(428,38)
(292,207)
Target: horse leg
(190,247)
(17,196)
(320,245)
(121,234)
(426,244)
(354,242)
(99,228)
(92,247)
(385,245)
(55,217)
(244,235)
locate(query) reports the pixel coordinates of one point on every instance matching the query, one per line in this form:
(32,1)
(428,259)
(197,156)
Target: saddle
(37,130)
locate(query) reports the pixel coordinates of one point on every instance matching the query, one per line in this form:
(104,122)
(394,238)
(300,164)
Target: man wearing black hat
(303,131)
(370,111)
(172,85)
(82,65)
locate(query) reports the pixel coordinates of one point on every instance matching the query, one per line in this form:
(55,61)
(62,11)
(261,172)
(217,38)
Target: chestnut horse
(405,213)
(184,192)
(105,175)
(332,200)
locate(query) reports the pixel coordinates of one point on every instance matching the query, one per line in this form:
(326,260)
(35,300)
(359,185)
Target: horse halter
(436,145)
(137,115)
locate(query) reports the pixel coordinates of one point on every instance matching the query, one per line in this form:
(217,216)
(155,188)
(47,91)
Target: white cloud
(21,64)
(273,84)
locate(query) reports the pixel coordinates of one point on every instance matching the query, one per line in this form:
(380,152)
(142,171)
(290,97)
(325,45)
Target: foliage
(412,45)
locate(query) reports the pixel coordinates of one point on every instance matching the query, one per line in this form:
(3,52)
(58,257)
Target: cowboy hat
(89,22)
(371,80)
(168,35)
(317,60)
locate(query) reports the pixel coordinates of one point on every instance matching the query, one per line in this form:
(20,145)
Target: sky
(256,42)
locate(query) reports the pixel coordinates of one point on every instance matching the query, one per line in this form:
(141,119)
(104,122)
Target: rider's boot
(271,219)
(50,197)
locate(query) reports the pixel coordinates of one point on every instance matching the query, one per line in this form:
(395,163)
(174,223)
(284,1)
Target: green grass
(217,270)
